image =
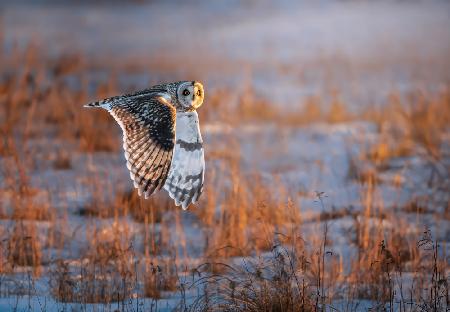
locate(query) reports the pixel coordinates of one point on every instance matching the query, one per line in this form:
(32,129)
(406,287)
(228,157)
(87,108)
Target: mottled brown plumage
(148,120)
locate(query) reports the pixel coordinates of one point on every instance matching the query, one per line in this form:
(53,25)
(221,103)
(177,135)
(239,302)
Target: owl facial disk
(190,95)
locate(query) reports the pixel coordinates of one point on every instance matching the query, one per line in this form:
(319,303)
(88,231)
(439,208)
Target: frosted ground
(287,51)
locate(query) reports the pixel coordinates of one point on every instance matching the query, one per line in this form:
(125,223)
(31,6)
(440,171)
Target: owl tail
(106,103)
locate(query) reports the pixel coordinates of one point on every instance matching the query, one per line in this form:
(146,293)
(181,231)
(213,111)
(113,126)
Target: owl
(161,138)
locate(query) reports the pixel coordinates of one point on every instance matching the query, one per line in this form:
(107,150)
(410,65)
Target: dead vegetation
(254,255)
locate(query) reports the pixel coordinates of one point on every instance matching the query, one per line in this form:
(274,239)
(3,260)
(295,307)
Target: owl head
(186,96)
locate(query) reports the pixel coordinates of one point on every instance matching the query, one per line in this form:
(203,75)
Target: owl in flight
(161,138)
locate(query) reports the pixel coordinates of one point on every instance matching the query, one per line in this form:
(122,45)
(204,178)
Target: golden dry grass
(239,214)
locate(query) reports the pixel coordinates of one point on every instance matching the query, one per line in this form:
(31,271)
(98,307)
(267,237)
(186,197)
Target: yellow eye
(186,92)
(199,93)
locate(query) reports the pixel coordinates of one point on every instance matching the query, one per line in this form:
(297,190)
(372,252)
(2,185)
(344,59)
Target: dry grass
(245,213)
(276,282)
(159,278)
(105,272)
(62,161)
(23,247)
(143,249)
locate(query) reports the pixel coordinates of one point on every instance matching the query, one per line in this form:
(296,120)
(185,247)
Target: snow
(289,50)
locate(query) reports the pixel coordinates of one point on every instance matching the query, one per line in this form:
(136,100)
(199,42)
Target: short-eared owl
(161,138)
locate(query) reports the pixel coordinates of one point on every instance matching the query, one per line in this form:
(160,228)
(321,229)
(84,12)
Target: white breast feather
(185,180)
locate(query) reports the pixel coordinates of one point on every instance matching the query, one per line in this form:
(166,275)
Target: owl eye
(199,93)
(186,92)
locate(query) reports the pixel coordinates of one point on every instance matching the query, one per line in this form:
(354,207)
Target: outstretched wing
(185,181)
(148,125)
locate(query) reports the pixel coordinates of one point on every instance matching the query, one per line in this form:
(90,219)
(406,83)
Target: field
(327,143)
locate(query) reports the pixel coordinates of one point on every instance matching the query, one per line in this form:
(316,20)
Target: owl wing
(148,125)
(185,181)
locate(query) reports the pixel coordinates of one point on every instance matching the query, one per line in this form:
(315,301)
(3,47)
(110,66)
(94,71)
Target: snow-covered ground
(306,159)
(287,51)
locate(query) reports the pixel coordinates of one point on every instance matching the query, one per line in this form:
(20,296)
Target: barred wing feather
(148,125)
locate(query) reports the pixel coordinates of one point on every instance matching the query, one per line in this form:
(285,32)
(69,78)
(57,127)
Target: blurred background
(327,140)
